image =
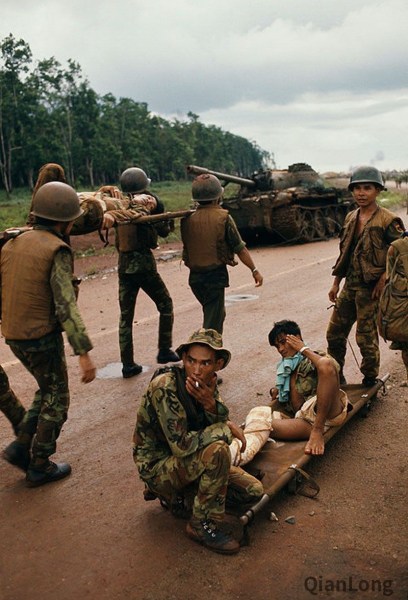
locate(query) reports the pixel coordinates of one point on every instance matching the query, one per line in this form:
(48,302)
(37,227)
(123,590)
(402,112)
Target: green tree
(15,60)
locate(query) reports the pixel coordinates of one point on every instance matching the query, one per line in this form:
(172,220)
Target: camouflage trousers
(44,419)
(10,405)
(153,285)
(355,305)
(214,478)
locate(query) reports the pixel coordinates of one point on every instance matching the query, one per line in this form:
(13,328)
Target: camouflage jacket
(162,428)
(363,258)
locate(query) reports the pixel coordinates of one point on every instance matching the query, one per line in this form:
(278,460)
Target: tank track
(303,224)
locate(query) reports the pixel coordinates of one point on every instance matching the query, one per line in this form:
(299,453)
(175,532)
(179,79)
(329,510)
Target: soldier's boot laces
(18,455)
(167,355)
(52,472)
(212,537)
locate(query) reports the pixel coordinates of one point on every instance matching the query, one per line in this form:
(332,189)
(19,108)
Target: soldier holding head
(364,240)
(38,302)
(137,267)
(210,242)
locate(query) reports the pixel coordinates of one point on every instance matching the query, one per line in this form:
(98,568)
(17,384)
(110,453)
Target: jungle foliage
(50,113)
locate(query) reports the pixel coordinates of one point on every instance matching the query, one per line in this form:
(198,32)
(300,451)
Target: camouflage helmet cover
(56,201)
(207,337)
(134,180)
(206,187)
(366,174)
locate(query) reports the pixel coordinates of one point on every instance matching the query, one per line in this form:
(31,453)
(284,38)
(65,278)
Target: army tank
(284,206)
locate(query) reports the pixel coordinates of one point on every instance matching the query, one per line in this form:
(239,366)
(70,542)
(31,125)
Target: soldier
(137,269)
(210,241)
(38,301)
(307,389)
(181,438)
(397,277)
(10,405)
(364,240)
(48,172)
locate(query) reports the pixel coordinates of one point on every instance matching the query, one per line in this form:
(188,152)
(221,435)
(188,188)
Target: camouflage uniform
(137,271)
(209,286)
(10,405)
(44,358)
(354,303)
(170,455)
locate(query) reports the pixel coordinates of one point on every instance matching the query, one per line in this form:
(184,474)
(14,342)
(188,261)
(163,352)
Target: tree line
(50,113)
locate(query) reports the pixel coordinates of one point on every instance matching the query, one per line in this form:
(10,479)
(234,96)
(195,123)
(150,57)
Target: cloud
(324,129)
(298,76)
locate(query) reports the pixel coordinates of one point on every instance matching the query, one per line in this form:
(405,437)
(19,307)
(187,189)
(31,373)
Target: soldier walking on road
(210,241)
(366,235)
(38,301)
(137,269)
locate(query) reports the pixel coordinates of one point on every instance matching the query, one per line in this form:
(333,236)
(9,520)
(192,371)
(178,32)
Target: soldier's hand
(202,392)
(333,291)
(87,367)
(238,433)
(108,221)
(258,278)
(111,190)
(378,288)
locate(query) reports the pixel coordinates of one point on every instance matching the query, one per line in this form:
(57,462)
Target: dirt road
(93,536)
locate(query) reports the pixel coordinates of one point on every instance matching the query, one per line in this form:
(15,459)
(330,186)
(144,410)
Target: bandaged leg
(257,429)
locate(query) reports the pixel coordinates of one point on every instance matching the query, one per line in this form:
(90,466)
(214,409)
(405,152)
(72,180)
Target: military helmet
(56,201)
(206,188)
(366,175)
(134,180)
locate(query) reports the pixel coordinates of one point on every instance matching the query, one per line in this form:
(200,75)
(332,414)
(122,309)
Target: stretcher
(281,462)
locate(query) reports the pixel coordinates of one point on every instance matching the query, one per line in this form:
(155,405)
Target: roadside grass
(176,195)
(392,199)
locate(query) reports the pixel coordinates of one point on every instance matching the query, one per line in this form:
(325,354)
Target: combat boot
(208,534)
(51,472)
(369,381)
(167,355)
(18,455)
(131,370)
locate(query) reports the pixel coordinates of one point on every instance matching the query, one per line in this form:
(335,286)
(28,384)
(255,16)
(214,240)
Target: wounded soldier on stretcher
(306,400)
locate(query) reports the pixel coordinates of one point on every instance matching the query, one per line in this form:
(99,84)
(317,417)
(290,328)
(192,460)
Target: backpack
(393,305)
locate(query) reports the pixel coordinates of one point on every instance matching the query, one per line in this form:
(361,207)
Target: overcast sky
(317,81)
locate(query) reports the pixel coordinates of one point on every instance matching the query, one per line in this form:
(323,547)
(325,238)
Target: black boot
(131,370)
(167,355)
(52,472)
(369,381)
(18,455)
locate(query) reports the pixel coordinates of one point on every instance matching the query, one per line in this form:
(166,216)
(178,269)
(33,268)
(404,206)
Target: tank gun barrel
(223,176)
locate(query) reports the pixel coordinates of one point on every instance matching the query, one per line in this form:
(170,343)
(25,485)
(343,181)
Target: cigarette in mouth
(197,384)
